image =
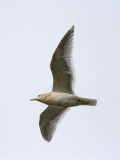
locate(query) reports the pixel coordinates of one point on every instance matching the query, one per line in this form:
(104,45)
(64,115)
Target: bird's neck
(45,97)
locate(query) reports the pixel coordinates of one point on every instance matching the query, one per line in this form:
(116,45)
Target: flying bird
(62,96)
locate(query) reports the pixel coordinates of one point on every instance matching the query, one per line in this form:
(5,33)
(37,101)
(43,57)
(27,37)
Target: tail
(87,101)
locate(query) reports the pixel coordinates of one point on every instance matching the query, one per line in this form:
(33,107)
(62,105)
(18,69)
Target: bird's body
(64,100)
(62,96)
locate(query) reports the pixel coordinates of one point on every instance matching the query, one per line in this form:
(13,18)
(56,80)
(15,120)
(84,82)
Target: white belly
(63,99)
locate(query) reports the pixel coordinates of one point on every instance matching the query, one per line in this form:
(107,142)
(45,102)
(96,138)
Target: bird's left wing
(62,66)
(49,119)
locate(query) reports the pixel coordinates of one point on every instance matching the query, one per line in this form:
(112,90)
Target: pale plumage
(62,72)
(62,95)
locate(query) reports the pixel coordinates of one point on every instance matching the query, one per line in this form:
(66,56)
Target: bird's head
(38,98)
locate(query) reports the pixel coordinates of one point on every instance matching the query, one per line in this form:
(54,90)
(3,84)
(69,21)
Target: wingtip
(72,28)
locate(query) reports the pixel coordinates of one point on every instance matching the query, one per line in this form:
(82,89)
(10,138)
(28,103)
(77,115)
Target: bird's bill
(32,99)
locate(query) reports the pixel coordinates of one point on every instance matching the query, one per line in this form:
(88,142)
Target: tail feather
(87,101)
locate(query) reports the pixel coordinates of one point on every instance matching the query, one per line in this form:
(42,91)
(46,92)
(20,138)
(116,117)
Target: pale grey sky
(29,33)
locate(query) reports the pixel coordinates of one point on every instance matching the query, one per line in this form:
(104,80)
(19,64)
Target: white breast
(62,99)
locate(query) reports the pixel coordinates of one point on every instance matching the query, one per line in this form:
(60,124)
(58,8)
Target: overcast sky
(30,30)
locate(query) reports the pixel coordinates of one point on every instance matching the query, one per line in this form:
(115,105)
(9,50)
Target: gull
(62,96)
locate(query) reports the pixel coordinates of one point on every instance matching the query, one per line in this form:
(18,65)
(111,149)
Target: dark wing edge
(49,120)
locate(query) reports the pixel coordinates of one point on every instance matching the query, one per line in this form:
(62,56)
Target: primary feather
(49,119)
(61,64)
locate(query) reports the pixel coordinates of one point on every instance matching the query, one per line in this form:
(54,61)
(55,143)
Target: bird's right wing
(49,119)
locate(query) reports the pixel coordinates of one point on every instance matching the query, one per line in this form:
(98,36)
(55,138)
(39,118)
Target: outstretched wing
(61,64)
(49,119)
